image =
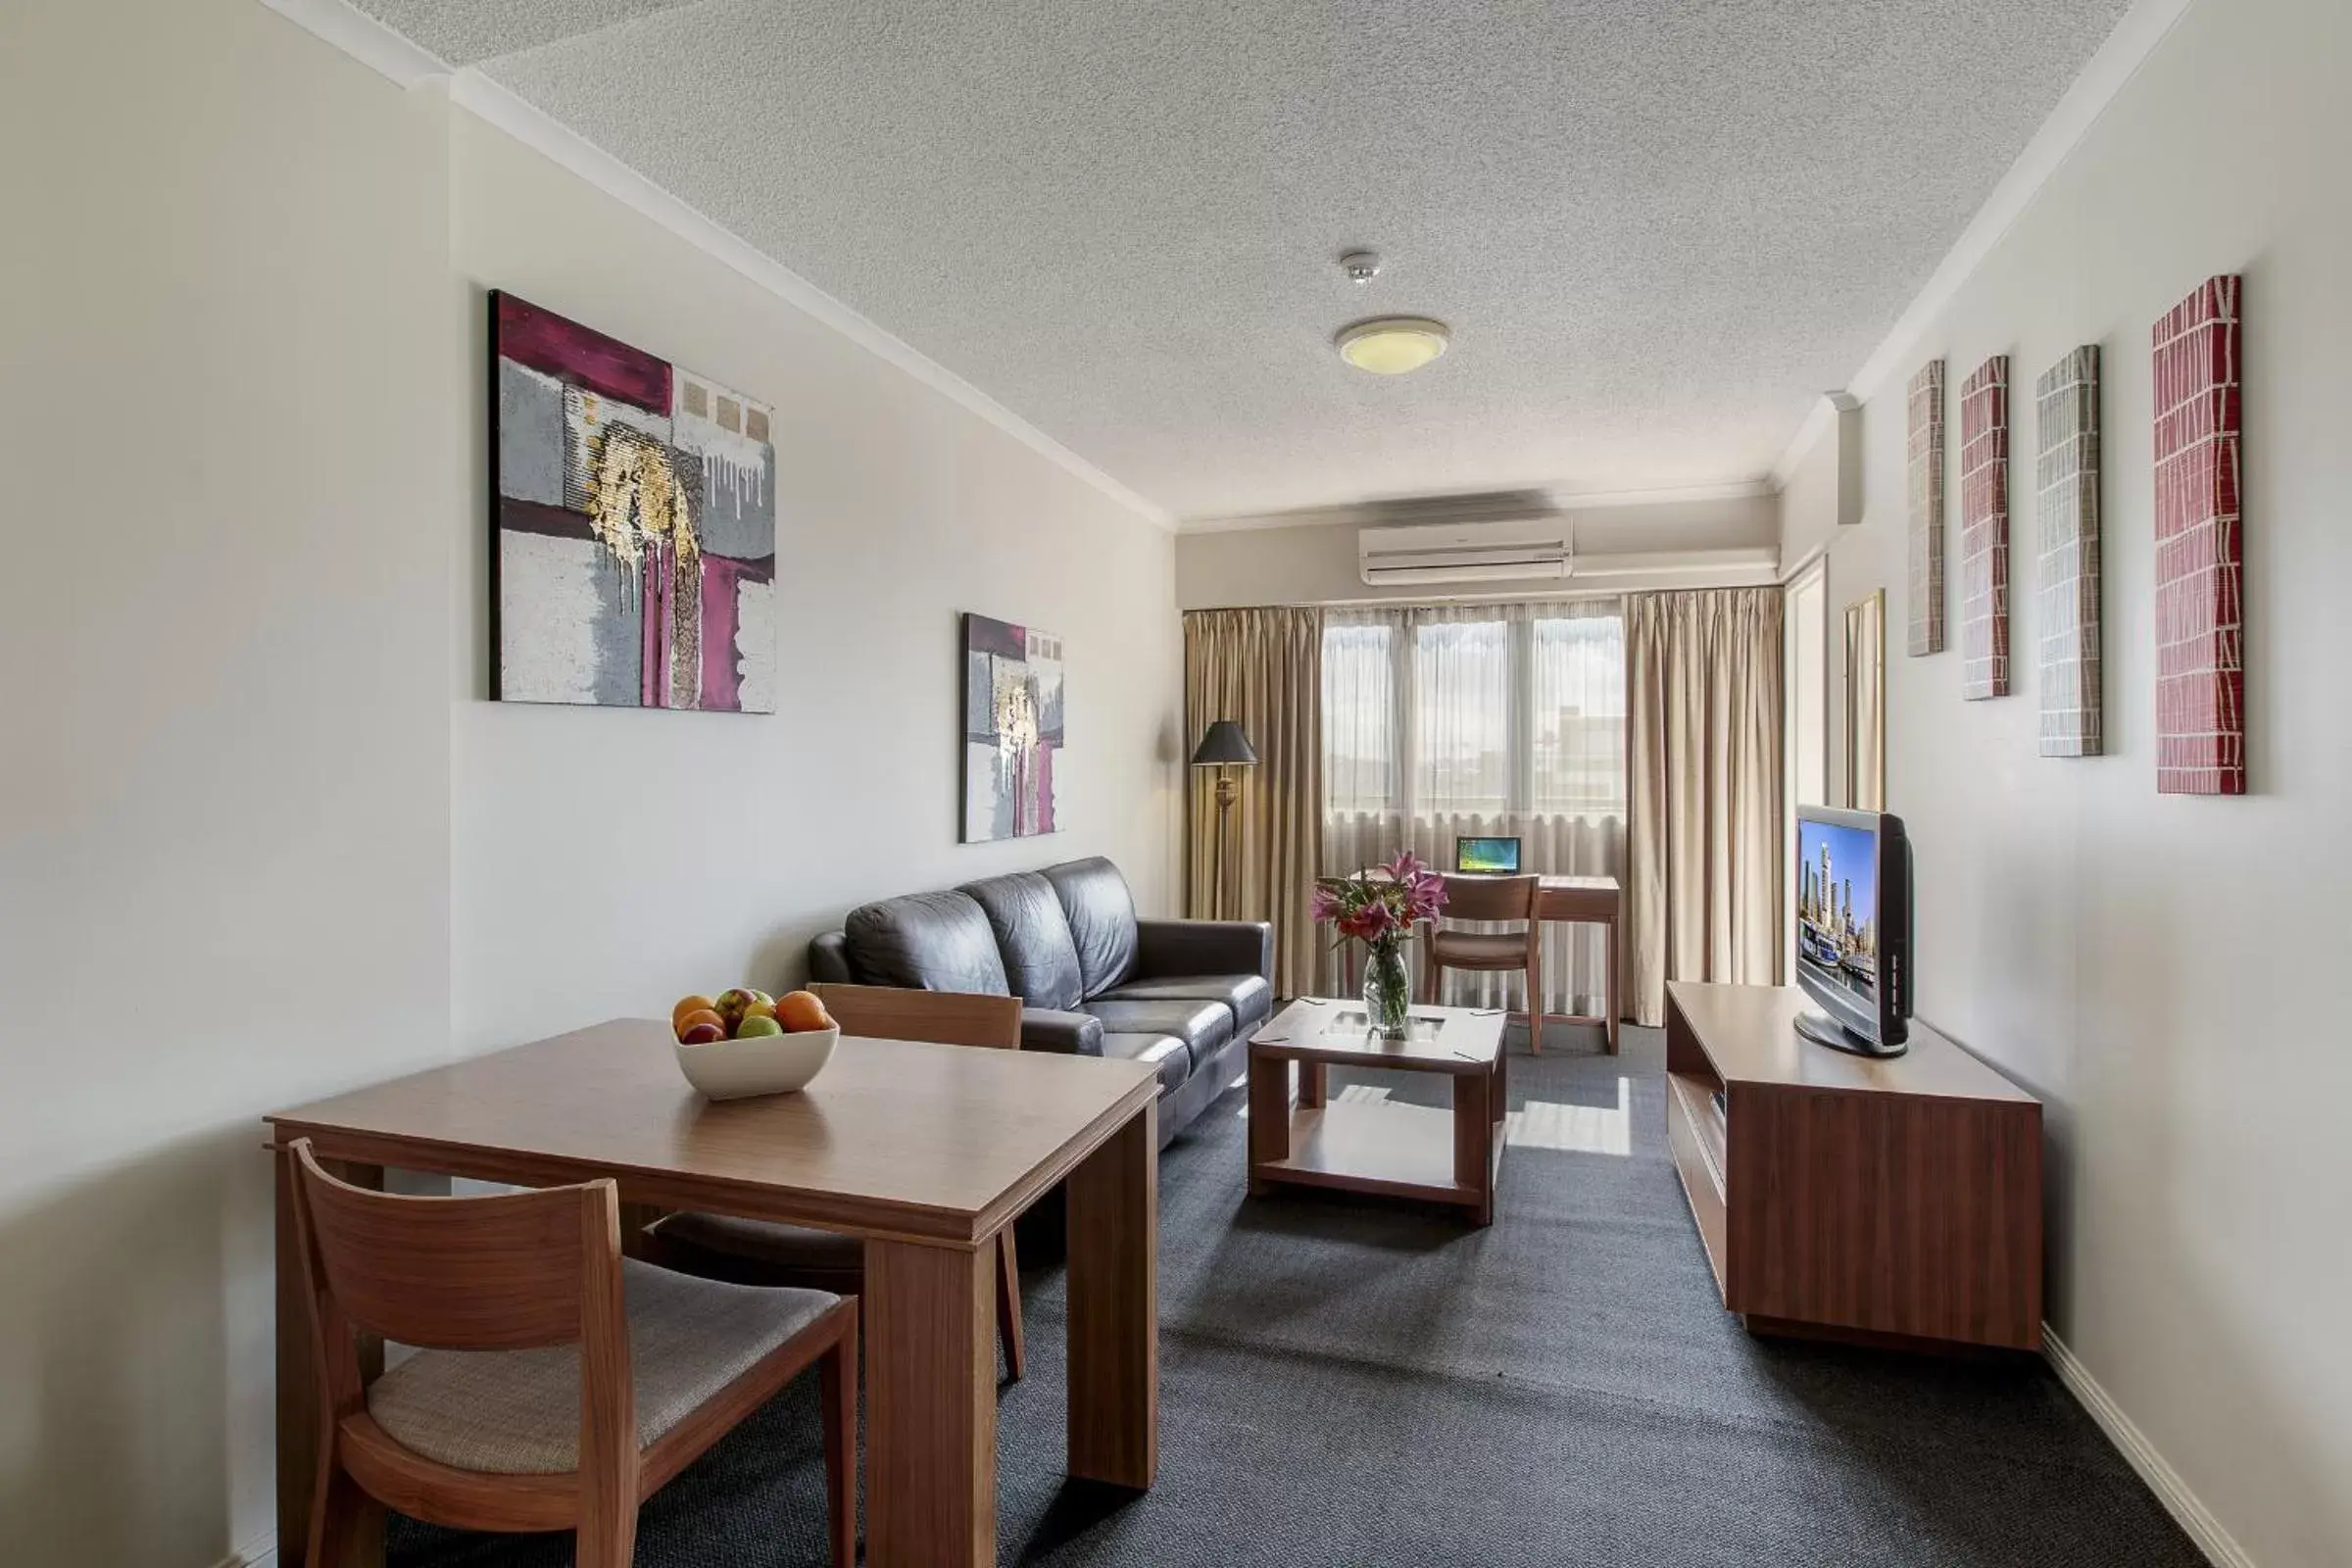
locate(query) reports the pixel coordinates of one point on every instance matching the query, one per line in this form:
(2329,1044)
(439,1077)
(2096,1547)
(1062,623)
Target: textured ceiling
(1658,227)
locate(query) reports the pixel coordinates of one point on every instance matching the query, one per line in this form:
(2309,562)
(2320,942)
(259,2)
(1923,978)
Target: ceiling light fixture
(1391,345)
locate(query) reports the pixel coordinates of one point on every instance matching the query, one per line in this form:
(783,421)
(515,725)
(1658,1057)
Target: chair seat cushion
(1481,950)
(719,1247)
(517,1412)
(1202,1026)
(1246,995)
(1165,1052)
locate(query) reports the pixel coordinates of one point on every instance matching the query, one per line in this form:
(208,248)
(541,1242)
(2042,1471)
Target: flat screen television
(1853,928)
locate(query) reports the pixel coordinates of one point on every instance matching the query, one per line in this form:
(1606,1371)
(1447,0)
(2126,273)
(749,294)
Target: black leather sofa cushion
(925,942)
(1032,938)
(1203,947)
(1247,995)
(1202,1026)
(1165,1052)
(1101,915)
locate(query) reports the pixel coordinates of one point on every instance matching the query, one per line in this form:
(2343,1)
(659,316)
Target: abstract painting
(1985,531)
(2066,482)
(1012,730)
(2200,633)
(633,522)
(1924,411)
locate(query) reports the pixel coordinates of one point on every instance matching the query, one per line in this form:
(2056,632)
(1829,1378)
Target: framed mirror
(1866,704)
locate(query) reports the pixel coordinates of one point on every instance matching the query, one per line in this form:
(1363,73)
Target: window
(1486,712)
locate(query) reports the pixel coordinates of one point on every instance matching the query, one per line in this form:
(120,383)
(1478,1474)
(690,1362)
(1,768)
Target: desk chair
(752,1252)
(1490,898)
(557,1385)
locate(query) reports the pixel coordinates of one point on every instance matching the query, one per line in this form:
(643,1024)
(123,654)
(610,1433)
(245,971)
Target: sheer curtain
(1480,719)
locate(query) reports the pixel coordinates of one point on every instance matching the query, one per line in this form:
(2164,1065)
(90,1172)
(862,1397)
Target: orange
(687,1005)
(709,1016)
(798,1011)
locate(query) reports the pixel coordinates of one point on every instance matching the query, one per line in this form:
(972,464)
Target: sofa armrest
(1166,949)
(1069,1034)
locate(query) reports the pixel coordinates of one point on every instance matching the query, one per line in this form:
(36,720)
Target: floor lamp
(1224,747)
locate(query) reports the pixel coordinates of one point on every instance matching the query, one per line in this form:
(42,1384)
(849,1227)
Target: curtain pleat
(1704,873)
(1263,668)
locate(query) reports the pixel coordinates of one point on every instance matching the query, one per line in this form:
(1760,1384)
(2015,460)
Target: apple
(758,1009)
(705,1016)
(731,1004)
(703,1033)
(756,1025)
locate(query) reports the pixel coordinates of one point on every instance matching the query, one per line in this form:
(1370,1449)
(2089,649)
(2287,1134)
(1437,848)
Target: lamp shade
(1224,745)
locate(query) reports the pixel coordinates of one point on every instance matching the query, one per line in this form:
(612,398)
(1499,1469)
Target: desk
(1581,901)
(924,1151)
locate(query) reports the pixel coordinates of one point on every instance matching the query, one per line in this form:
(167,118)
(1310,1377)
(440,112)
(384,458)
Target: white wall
(2172,973)
(605,861)
(260,839)
(224,782)
(1313,562)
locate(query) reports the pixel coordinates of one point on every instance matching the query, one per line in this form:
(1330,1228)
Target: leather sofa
(1093,979)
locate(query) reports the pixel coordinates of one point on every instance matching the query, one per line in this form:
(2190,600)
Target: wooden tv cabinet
(1889,1200)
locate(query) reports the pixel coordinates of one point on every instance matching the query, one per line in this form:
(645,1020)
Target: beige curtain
(1265,668)
(1703,860)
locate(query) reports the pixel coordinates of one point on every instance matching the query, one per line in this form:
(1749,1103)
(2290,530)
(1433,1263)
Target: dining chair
(764,1252)
(555,1384)
(1490,898)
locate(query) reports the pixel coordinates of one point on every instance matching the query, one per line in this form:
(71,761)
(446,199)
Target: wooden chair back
(943,1017)
(1490,898)
(510,1272)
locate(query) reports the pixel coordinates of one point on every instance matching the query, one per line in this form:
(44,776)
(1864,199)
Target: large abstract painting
(633,525)
(2067,479)
(2200,635)
(1924,460)
(1985,531)
(1012,730)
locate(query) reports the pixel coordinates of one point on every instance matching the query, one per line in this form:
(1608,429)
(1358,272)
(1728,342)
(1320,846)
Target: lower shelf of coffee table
(1377,1146)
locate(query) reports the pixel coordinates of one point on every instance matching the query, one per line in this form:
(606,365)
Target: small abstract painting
(1985,531)
(1923,417)
(2066,482)
(633,521)
(1012,730)
(2200,633)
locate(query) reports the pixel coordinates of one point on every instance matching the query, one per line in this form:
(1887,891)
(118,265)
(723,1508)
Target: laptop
(1487,857)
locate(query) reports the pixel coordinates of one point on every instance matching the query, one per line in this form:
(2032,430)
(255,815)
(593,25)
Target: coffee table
(1419,1152)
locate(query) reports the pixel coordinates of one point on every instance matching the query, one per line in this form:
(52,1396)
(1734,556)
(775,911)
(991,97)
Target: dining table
(924,1152)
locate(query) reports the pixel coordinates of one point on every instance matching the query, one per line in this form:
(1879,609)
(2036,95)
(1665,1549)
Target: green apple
(757,1024)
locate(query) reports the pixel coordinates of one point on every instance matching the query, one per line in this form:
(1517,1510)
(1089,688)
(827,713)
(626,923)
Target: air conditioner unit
(1506,549)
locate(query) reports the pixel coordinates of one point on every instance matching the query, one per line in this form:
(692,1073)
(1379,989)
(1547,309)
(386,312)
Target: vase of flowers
(1379,908)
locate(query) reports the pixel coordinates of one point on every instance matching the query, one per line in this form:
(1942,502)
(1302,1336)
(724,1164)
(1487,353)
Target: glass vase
(1388,993)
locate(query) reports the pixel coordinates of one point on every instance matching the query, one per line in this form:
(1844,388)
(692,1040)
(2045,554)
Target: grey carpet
(1345,1382)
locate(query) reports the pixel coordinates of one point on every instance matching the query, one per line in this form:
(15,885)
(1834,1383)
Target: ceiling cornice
(2110,67)
(408,65)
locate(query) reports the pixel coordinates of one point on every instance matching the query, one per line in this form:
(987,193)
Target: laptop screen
(1495,856)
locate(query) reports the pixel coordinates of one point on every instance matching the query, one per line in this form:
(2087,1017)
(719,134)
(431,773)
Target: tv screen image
(1852,890)
(1491,857)
(1836,905)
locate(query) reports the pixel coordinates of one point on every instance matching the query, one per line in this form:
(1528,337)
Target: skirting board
(260,1553)
(2203,1528)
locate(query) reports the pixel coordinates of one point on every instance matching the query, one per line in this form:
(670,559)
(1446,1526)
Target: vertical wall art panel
(2066,484)
(1985,531)
(1013,732)
(634,518)
(1926,446)
(2200,671)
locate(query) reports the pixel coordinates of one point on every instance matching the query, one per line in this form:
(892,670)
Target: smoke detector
(1361,266)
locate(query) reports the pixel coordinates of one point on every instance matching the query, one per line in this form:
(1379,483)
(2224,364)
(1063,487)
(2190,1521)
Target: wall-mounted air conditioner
(1506,549)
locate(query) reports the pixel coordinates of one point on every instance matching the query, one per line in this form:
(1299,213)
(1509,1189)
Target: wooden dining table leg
(1609,984)
(930,1405)
(298,1398)
(1114,1307)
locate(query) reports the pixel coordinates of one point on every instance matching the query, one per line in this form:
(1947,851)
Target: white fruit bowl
(763,1064)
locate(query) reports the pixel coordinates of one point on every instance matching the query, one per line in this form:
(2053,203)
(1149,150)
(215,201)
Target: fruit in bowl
(745,1042)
